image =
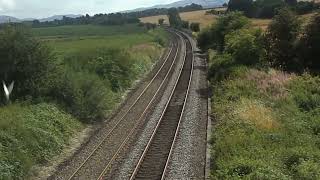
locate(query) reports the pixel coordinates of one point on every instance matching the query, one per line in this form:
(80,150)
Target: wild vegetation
(265,97)
(65,77)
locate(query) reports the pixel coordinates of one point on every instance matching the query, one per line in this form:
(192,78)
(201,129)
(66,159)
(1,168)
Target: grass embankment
(268,125)
(32,134)
(96,65)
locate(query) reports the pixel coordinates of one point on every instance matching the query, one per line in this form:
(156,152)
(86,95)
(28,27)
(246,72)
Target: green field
(66,40)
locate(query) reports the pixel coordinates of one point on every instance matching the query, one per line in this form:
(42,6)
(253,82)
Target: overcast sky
(45,8)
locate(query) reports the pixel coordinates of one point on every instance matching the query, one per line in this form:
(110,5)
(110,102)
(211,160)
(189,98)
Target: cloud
(7,5)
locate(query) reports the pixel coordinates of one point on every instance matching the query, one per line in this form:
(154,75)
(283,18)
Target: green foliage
(214,37)
(245,45)
(281,37)
(174,18)
(195,27)
(26,61)
(304,7)
(31,135)
(267,8)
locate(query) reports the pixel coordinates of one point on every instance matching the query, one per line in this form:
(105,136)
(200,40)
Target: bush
(281,36)
(195,27)
(28,62)
(245,46)
(86,96)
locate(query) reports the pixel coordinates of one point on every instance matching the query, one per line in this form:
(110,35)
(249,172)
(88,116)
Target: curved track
(154,160)
(94,164)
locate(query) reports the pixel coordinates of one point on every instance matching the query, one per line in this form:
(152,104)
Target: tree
(310,45)
(174,17)
(245,6)
(267,8)
(280,37)
(215,37)
(161,21)
(195,27)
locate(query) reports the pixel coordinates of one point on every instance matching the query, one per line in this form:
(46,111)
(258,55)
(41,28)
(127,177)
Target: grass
(32,134)
(267,124)
(86,30)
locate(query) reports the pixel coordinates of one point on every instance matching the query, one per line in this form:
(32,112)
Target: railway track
(154,160)
(104,153)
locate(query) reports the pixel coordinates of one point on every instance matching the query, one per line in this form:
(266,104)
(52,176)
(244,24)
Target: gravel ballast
(188,160)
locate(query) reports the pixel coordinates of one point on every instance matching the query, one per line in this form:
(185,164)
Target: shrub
(86,96)
(281,36)
(27,61)
(245,46)
(195,27)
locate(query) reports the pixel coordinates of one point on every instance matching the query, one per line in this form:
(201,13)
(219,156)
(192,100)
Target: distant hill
(58,17)
(182,3)
(5,19)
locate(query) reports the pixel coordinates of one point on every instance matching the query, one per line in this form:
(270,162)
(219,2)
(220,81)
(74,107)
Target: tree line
(112,18)
(268,8)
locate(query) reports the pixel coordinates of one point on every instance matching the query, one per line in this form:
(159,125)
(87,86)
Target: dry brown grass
(271,83)
(256,113)
(201,17)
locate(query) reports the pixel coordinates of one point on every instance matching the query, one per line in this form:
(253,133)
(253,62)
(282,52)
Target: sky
(46,8)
